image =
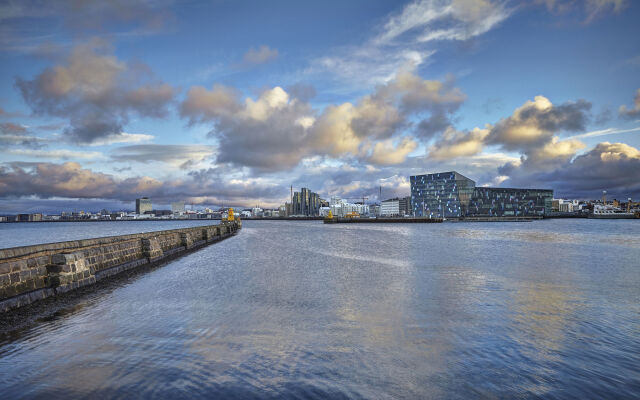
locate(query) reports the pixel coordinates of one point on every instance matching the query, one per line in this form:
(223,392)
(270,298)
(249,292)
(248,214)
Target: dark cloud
(570,116)
(535,123)
(608,166)
(273,141)
(454,143)
(87,129)
(51,127)
(202,105)
(417,95)
(96,92)
(633,112)
(436,124)
(18,135)
(56,206)
(70,180)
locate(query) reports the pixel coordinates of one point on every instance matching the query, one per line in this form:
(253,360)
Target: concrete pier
(31,273)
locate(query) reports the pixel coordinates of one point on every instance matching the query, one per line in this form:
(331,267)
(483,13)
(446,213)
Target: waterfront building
(177,207)
(441,194)
(404,205)
(452,195)
(306,202)
(390,207)
(143,205)
(29,217)
(504,202)
(340,208)
(565,207)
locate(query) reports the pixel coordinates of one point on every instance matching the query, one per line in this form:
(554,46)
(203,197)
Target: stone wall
(30,273)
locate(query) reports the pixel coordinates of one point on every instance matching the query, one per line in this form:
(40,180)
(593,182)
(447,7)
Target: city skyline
(221,103)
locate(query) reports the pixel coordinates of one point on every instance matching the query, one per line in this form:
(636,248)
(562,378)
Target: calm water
(23,234)
(304,310)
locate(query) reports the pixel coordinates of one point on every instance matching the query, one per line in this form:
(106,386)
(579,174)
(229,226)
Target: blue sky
(232,102)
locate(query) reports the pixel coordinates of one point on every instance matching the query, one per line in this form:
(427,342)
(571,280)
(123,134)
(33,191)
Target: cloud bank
(96,92)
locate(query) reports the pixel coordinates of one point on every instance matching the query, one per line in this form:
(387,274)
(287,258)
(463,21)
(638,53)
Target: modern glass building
(143,205)
(443,194)
(452,195)
(306,202)
(505,202)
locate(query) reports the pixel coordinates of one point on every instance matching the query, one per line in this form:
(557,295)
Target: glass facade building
(506,202)
(452,195)
(306,202)
(143,205)
(443,194)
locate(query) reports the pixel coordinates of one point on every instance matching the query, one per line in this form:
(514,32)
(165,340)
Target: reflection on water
(306,310)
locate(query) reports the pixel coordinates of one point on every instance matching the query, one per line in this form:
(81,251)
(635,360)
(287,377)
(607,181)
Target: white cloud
(183,156)
(122,138)
(385,153)
(277,131)
(406,39)
(604,132)
(462,20)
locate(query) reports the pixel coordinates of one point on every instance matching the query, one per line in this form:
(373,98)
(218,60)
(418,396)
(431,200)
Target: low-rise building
(390,208)
(177,207)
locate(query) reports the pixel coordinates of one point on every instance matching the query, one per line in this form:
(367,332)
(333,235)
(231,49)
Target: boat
(610,212)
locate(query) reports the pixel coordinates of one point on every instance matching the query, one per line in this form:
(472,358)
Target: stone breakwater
(31,273)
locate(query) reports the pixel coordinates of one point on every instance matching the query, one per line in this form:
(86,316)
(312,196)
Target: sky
(229,103)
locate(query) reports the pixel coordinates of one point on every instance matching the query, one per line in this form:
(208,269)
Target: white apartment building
(390,208)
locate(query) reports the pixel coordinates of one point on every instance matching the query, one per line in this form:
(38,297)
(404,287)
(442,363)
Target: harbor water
(301,309)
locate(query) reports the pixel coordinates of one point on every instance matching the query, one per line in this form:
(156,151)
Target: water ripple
(300,310)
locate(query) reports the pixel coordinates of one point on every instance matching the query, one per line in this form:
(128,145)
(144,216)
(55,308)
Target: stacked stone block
(186,239)
(22,275)
(69,271)
(151,249)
